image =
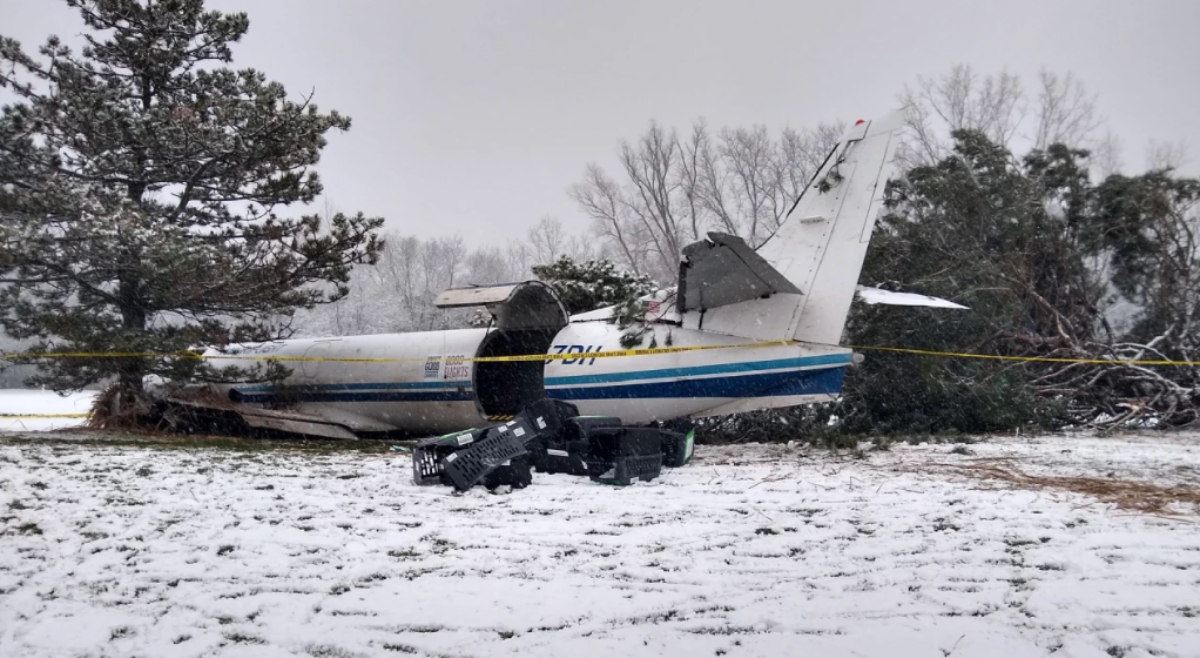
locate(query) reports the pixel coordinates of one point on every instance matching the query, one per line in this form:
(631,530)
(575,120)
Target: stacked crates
(551,437)
(568,451)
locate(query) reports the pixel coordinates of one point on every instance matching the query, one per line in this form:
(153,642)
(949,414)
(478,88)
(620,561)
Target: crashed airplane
(746,329)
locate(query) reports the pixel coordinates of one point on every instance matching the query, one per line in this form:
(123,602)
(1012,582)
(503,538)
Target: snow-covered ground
(34,410)
(748,551)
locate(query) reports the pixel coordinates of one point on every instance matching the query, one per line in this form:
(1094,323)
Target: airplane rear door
(525,319)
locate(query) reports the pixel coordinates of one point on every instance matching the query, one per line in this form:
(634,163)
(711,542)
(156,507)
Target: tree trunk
(132,369)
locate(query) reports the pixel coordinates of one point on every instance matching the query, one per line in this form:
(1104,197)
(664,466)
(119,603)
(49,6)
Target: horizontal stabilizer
(878,296)
(724,270)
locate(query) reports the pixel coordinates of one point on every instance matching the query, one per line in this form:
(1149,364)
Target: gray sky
(476,116)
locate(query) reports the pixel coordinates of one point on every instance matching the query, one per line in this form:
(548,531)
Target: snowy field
(749,551)
(33,410)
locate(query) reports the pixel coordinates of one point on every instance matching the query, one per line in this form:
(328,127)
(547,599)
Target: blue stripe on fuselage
(743,379)
(387,386)
(315,395)
(792,382)
(697,371)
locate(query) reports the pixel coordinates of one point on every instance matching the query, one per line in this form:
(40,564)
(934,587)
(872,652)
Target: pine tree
(139,185)
(1003,236)
(592,284)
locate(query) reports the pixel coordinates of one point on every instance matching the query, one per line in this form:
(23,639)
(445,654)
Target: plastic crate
(547,416)
(558,456)
(519,428)
(467,467)
(428,455)
(516,473)
(580,428)
(567,451)
(624,470)
(677,447)
(610,443)
(620,455)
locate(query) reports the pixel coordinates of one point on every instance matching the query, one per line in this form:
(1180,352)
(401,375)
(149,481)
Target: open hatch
(526,318)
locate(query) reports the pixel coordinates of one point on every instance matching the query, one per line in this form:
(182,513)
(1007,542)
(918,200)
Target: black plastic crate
(558,456)
(609,443)
(468,466)
(567,450)
(624,470)
(519,428)
(547,416)
(516,473)
(428,455)
(620,455)
(677,447)
(580,428)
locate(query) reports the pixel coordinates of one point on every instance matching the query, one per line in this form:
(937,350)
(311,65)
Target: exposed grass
(1126,494)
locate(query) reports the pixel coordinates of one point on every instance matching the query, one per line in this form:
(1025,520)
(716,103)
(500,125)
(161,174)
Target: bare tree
(548,240)
(604,202)
(998,106)
(800,154)
(652,169)
(1066,112)
(957,100)
(742,181)
(1106,156)
(1166,155)
(747,183)
(398,292)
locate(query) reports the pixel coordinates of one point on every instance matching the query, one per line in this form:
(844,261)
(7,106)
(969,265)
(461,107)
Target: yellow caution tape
(565,356)
(1042,359)
(44,415)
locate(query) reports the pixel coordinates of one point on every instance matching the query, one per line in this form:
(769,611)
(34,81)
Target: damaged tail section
(801,281)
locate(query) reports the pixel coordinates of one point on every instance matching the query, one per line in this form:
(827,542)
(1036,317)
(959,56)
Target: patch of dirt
(1125,494)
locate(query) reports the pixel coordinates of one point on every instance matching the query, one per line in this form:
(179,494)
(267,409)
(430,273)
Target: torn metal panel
(283,421)
(296,425)
(526,305)
(476,296)
(724,270)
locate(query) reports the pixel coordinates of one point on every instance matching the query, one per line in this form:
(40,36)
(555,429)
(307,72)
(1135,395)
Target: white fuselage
(784,305)
(427,382)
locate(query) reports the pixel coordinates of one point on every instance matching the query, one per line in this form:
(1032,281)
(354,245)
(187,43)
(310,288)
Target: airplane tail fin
(820,248)
(801,281)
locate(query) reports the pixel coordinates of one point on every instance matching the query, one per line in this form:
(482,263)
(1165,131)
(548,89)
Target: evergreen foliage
(1050,264)
(139,185)
(592,284)
(1023,243)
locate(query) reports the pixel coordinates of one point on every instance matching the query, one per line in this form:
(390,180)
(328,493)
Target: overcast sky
(474,117)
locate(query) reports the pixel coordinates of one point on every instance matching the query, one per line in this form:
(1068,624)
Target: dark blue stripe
(365,396)
(662,373)
(387,386)
(803,382)
(696,371)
